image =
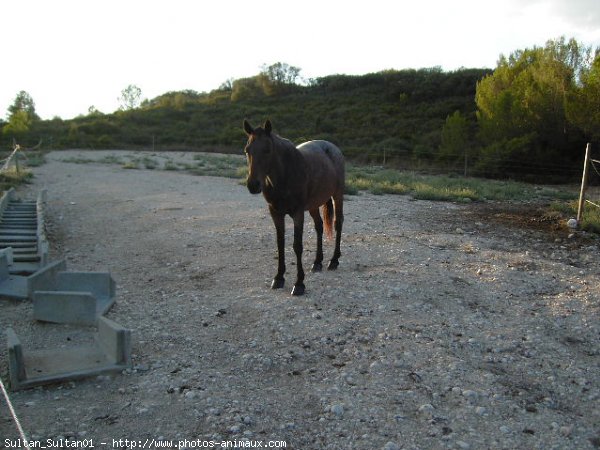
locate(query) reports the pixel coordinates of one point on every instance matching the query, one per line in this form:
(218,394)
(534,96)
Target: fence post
(584,180)
(16,156)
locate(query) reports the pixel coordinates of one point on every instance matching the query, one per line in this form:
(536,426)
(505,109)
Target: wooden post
(16,156)
(584,180)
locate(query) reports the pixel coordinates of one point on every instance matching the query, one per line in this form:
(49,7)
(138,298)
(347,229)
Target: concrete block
(45,278)
(100,284)
(15,357)
(11,285)
(21,287)
(7,197)
(22,225)
(73,297)
(115,341)
(111,352)
(78,308)
(42,241)
(6,260)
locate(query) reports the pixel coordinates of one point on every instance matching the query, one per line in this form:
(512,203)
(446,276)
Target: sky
(70,55)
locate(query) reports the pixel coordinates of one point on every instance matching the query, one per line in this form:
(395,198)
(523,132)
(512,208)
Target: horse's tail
(328,218)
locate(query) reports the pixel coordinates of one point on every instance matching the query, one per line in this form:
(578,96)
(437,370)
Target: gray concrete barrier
(111,352)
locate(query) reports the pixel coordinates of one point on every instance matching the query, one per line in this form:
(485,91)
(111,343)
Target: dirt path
(442,328)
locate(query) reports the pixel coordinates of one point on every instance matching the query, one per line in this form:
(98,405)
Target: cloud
(578,13)
(583,13)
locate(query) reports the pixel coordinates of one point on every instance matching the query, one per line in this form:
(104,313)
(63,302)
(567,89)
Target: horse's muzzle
(253,186)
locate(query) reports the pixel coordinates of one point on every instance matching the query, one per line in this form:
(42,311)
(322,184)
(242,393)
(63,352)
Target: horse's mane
(292,162)
(283,143)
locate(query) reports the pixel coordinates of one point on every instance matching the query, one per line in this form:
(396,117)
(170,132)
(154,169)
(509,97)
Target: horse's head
(261,157)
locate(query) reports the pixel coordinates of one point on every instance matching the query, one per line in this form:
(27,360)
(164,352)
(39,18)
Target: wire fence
(12,162)
(496,166)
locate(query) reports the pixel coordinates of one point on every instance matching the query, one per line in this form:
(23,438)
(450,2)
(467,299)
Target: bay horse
(293,180)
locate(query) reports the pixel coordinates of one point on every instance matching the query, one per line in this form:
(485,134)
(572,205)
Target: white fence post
(584,180)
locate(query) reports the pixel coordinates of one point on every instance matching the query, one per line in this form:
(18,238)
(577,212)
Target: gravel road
(446,326)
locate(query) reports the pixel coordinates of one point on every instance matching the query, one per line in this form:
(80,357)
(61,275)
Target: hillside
(399,112)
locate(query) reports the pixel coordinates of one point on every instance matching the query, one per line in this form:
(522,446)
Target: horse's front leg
(279,221)
(298,230)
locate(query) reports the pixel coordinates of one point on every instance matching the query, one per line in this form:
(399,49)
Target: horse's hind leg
(338,203)
(318,264)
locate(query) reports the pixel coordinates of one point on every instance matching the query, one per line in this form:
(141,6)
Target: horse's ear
(248,128)
(268,127)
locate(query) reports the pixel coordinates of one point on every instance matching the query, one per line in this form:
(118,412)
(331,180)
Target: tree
(23,102)
(244,88)
(281,73)
(525,100)
(455,138)
(130,98)
(583,105)
(278,78)
(21,115)
(18,124)
(93,111)
(227,85)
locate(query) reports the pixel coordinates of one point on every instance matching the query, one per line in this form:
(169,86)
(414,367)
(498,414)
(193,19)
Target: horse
(293,180)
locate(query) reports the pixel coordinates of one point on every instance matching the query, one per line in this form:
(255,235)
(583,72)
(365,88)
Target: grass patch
(379,180)
(35,158)
(373,179)
(149,163)
(108,159)
(78,160)
(170,165)
(228,166)
(18,171)
(11,178)
(130,165)
(429,191)
(590,220)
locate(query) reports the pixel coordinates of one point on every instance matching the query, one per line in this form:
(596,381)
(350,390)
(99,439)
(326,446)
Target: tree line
(529,118)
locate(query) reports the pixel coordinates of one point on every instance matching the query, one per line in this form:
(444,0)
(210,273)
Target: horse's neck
(291,162)
(284,143)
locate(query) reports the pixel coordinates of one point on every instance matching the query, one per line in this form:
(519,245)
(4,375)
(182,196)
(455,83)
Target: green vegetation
(396,115)
(528,119)
(15,175)
(590,220)
(229,166)
(222,166)
(21,116)
(36,158)
(448,188)
(12,178)
(540,104)
(374,179)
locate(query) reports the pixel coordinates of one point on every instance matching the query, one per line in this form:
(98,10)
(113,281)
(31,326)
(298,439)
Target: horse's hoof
(277,283)
(316,267)
(333,265)
(298,289)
